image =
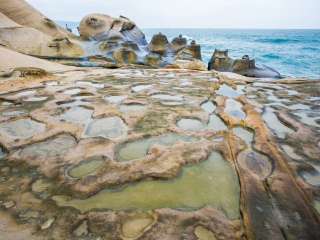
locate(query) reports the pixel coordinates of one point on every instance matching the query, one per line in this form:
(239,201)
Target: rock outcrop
(220,61)
(24,14)
(101,27)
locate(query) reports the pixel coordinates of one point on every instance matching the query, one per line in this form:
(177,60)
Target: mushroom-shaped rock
(193,64)
(219,60)
(31,41)
(178,43)
(159,44)
(24,14)
(193,49)
(102,27)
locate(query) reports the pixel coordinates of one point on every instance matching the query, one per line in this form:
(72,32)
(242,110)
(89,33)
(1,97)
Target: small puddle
(172,103)
(11,113)
(305,119)
(211,182)
(130,107)
(25,93)
(313,178)
(77,115)
(290,151)
(121,75)
(208,106)
(179,88)
(139,149)
(96,85)
(190,124)
(84,168)
(5,103)
(109,127)
(229,92)
(166,96)
(215,122)
(53,83)
(78,102)
(50,148)
(185,83)
(317,205)
(244,134)
(36,99)
(251,96)
(274,123)
(116,98)
(140,87)
(166,83)
(218,138)
(292,92)
(22,128)
(73,91)
(233,108)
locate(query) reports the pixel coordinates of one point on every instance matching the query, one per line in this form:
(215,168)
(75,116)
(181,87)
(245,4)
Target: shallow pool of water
(306,119)
(53,83)
(50,148)
(116,98)
(166,83)
(290,151)
(73,91)
(216,123)
(109,127)
(172,103)
(244,134)
(36,99)
(139,149)
(130,107)
(251,96)
(96,85)
(78,102)
(210,182)
(2,154)
(190,124)
(167,96)
(275,124)
(312,178)
(233,108)
(185,83)
(317,205)
(84,168)
(5,103)
(11,113)
(179,88)
(22,128)
(292,92)
(25,93)
(208,106)
(77,115)
(140,87)
(229,92)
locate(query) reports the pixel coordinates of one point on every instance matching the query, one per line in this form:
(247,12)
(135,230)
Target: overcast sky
(283,14)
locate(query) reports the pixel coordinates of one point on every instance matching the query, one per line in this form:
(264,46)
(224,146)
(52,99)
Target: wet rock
(8,204)
(82,230)
(203,233)
(39,186)
(153,59)
(47,223)
(125,55)
(26,215)
(247,67)
(159,44)
(191,64)
(135,225)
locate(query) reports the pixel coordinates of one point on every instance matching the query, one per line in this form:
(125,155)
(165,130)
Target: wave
(271,56)
(277,40)
(187,37)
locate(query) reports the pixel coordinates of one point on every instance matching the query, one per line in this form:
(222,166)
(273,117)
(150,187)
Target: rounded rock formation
(159,44)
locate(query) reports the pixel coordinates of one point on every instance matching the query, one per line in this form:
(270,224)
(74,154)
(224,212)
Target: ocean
(293,53)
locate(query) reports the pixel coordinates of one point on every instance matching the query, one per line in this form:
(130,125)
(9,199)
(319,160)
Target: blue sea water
(292,52)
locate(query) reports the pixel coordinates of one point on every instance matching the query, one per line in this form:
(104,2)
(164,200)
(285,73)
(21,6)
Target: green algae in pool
(110,127)
(22,128)
(216,123)
(244,134)
(78,115)
(208,106)
(211,182)
(139,149)
(190,124)
(290,151)
(51,148)
(274,124)
(84,168)
(312,178)
(233,108)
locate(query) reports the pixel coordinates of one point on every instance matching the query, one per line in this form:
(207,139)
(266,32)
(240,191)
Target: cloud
(192,14)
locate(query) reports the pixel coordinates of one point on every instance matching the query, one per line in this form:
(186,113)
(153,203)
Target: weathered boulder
(194,64)
(102,27)
(124,55)
(24,14)
(31,41)
(178,43)
(193,49)
(153,59)
(247,67)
